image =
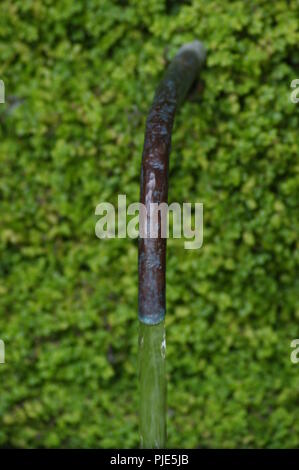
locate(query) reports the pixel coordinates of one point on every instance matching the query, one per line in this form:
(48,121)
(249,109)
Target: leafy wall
(80,77)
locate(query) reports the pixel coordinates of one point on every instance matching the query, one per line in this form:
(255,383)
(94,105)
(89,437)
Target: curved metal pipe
(178,79)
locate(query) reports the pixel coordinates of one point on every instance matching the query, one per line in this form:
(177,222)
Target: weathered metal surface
(179,77)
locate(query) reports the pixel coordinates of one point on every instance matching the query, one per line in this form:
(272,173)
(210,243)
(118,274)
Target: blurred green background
(80,77)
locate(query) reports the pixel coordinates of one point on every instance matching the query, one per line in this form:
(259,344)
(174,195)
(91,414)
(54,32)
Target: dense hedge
(80,76)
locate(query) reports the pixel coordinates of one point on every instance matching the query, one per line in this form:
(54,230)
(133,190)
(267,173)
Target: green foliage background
(80,77)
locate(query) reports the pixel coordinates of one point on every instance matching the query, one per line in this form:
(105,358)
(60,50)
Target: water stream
(152,380)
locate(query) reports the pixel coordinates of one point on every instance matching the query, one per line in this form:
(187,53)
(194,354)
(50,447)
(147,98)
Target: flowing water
(152,380)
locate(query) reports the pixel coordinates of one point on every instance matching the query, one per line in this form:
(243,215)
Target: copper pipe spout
(179,77)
